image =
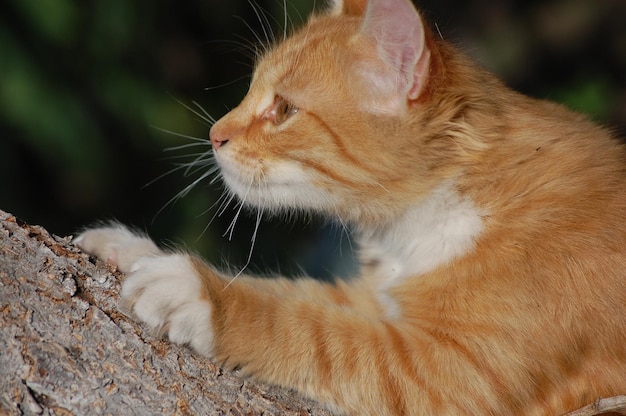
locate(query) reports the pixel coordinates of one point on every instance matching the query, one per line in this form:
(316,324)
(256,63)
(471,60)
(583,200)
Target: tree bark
(66,349)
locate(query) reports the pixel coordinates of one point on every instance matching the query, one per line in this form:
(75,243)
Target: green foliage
(82,84)
(595,97)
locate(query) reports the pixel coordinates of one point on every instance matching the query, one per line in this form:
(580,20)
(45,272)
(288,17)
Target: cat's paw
(116,245)
(166,293)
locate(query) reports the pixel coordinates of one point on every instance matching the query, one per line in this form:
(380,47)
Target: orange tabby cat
(492,232)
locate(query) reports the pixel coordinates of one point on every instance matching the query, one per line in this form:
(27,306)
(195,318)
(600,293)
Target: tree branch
(65,348)
(607,406)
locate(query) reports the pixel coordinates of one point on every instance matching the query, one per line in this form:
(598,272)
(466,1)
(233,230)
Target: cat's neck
(431,233)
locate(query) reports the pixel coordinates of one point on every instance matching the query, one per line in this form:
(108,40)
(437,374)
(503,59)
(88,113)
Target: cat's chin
(282,188)
(281,197)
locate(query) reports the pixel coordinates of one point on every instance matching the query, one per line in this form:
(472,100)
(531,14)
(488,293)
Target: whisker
(345,232)
(207,172)
(252,243)
(205,142)
(261,15)
(251,29)
(226,203)
(203,163)
(186,166)
(223,196)
(285,22)
(184,136)
(215,179)
(184,192)
(439,31)
(209,120)
(200,161)
(161,176)
(231,227)
(251,47)
(215,87)
(206,113)
(242,45)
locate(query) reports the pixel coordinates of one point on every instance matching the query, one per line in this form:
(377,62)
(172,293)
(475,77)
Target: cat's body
(492,228)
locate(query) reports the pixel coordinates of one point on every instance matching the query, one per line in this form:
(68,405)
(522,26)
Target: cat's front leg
(163,289)
(116,245)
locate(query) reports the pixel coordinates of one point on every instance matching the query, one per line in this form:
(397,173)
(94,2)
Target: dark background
(83,83)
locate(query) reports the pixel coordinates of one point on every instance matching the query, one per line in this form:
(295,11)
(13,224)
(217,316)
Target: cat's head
(332,119)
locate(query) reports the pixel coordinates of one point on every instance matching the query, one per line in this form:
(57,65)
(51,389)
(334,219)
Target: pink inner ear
(396,29)
(419,74)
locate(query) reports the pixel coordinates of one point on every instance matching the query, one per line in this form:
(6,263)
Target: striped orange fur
(492,225)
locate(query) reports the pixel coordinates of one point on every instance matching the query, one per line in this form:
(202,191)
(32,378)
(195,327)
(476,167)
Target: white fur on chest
(442,227)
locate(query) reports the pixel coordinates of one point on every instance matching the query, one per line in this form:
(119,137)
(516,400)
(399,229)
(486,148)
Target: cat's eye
(283,109)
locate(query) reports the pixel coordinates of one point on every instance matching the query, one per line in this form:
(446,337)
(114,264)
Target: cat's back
(551,166)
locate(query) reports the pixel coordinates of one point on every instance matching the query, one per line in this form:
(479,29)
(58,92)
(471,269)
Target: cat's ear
(396,30)
(347,7)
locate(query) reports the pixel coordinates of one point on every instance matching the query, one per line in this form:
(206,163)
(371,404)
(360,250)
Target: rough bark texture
(66,349)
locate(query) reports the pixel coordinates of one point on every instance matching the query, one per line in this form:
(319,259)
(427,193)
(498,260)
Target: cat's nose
(217,140)
(217,143)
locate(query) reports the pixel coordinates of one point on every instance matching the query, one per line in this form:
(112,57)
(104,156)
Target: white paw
(166,293)
(116,245)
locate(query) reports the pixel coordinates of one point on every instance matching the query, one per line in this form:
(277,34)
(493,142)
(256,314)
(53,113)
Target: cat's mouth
(278,185)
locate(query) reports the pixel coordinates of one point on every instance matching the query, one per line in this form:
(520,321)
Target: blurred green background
(86,86)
